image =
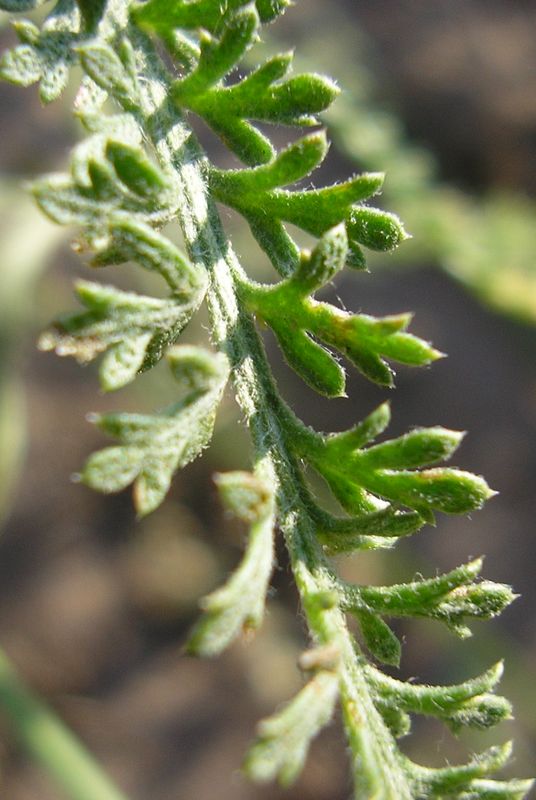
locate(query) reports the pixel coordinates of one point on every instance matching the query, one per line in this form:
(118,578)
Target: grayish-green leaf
(153,447)
(283,740)
(238,606)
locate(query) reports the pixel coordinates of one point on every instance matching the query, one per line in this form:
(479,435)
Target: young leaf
(295,317)
(134,330)
(161,15)
(239,604)
(283,740)
(110,72)
(153,447)
(45,55)
(379,638)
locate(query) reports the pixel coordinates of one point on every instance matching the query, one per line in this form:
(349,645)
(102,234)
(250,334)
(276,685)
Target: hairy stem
(377,769)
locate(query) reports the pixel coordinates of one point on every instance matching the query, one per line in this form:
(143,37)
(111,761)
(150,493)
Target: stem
(50,742)
(377,764)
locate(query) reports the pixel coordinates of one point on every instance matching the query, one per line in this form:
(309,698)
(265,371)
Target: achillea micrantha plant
(146,68)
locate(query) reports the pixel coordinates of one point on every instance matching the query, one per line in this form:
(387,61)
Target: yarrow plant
(147,68)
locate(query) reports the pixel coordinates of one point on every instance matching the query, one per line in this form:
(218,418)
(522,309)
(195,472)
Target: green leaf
(363,433)
(379,638)
(451,491)
(254,193)
(313,363)
(239,604)
(289,166)
(369,531)
(264,95)
(467,704)
(316,269)
(135,330)
(271,9)
(218,56)
(128,240)
(375,229)
(295,318)
(153,447)
(283,739)
(419,448)
(135,170)
(398,722)
(438,782)
(161,15)
(450,598)
(105,67)
(46,55)
(355,474)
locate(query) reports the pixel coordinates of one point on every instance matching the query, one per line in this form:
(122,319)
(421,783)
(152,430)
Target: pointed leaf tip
(283,739)
(379,638)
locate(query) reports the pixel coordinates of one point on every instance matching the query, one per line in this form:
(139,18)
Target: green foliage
(45,55)
(134,330)
(283,740)
(140,168)
(294,316)
(239,605)
(153,447)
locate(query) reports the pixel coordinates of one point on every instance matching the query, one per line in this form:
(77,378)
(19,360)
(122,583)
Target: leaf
(256,192)
(218,56)
(129,240)
(153,447)
(135,170)
(110,72)
(283,739)
(419,448)
(264,95)
(313,363)
(451,491)
(239,604)
(289,166)
(318,268)
(450,598)
(379,638)
(363,433)
(469,704)
(368,531)
(134,330)
(161,15)
(382,470)
(295,318)
(438,782)
(46,55)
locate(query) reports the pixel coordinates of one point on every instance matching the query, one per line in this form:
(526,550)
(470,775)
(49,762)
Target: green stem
(377,764)
(50,742)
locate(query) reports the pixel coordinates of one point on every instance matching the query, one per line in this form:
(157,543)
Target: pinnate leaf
(284,739)
(153,447)
(295,318)
(239,604)
(134,330)
(161,15)
(46,54)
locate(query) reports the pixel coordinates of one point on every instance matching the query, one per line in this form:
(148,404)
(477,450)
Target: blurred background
(96,605)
